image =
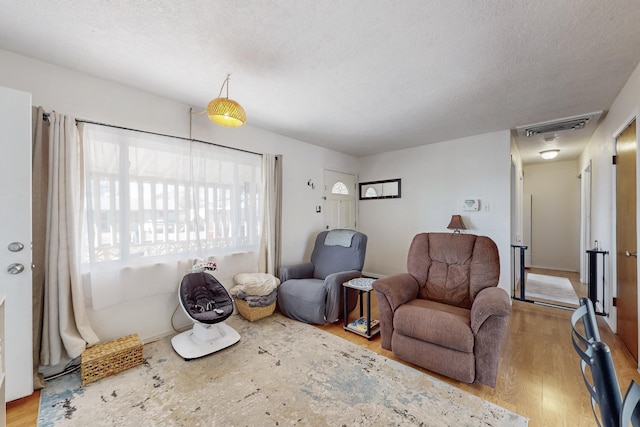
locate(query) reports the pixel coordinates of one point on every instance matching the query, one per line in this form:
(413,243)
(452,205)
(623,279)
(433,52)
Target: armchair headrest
(339,237)
(453,268)
(329,259)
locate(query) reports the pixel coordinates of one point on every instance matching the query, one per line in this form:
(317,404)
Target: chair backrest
(336,257)
(596,364)
(588,317)
(452,268)
(204,298)
(630,409)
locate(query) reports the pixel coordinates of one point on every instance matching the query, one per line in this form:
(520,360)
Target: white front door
(339,200)
(15,231)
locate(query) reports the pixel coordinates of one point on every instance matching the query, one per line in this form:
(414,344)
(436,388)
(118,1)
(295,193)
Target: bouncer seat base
(190,345)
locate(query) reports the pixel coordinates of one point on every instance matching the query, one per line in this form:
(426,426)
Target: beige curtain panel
(66,330)
(269,261)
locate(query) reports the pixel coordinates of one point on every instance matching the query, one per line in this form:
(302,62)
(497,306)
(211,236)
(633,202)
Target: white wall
(436,179)
(433,189)
(86,97)
(600,151)
(555,219)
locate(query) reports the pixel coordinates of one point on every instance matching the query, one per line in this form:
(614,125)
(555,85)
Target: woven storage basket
(254,313)
(111,357)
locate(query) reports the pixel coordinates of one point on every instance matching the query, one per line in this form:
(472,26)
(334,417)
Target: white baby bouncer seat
(206,301)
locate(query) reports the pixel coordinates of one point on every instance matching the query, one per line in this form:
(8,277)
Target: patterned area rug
(550,288)
(281,372)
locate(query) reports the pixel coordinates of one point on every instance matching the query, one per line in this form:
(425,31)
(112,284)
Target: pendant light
(225,111)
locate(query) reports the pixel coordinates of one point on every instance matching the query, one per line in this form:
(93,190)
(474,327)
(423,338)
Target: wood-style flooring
(539,375)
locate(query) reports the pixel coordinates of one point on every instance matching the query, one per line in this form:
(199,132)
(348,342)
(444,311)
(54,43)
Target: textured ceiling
(360,77)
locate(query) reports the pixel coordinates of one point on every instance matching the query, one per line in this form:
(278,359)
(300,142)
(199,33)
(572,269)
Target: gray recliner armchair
(312,292)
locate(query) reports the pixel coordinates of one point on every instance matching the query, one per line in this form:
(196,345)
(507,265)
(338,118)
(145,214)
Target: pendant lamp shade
(225,111)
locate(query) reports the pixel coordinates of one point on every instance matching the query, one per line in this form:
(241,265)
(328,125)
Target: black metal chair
(600,377)
(630,409)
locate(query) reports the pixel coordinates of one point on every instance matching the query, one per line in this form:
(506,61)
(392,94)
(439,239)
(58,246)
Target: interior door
(627,291)
(15,239)
(339,200)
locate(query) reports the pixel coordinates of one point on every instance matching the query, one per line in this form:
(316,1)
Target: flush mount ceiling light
(225,111)
(549,154)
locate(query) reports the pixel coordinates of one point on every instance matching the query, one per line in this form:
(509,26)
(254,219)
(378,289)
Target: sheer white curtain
(272,188)
(156,203)
(66,328)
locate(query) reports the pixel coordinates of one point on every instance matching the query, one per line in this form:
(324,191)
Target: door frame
(324,195)
(585,218)
(613,278)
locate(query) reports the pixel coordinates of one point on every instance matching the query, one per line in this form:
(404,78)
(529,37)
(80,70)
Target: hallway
(581,289)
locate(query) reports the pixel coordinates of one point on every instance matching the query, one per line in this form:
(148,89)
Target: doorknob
(634,254)
(15,246)
(15,268)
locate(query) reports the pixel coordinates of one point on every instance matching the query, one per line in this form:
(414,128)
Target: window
(149,196)
(339,188)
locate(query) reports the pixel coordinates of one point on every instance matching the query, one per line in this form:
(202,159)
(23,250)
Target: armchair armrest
(392,292)
(489,316)
(333,288)
(297,271)
(337,279)
(398,289)
(489,302)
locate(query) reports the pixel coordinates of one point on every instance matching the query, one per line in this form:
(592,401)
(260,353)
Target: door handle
(634,254)
(15,246)
(15,268)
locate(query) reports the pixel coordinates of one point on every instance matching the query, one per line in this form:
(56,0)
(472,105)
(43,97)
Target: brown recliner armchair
(446,314)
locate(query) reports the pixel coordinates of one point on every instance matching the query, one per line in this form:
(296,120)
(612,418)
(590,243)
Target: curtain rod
(165,135)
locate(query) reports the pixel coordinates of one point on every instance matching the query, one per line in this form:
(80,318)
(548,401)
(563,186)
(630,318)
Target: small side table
(364,326)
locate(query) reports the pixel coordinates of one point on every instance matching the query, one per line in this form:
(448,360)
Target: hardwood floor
(23,412)
(539,375)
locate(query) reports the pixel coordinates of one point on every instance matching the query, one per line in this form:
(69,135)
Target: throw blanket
(259,301)
(339,238)
(255,284)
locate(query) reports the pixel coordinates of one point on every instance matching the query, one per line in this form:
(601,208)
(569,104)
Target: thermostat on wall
(471,205)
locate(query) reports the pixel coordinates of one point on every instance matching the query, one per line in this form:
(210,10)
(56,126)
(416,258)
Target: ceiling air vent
(561,125)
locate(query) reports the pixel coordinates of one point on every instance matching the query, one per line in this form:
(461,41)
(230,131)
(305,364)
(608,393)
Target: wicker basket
(254,313)
(111,357)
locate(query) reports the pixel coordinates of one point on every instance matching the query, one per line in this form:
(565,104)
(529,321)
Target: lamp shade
(226,112)
(456,224)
